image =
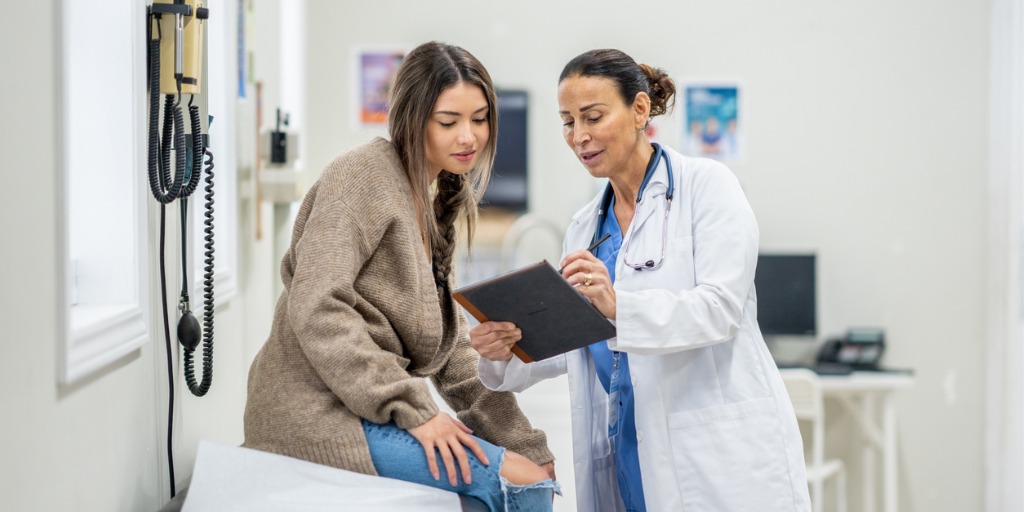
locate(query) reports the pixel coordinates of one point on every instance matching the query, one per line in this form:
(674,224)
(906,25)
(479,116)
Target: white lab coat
(715,426)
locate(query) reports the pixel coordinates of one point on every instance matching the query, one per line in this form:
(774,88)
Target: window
(103,225)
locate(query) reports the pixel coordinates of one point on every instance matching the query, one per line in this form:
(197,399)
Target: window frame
(104,319)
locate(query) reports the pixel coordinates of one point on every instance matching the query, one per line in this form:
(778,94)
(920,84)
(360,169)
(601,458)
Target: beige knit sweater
(359,326)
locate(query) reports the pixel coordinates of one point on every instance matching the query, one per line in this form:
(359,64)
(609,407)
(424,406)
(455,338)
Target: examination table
(231,478)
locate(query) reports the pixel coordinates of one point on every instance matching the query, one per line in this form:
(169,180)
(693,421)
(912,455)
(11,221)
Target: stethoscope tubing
(606,199)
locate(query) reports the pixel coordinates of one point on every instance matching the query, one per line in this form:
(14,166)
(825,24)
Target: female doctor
(684,410)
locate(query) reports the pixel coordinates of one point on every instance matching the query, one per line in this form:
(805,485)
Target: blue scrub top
(627,460)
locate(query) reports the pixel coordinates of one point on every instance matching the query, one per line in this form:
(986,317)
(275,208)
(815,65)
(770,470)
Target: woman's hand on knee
(448,436)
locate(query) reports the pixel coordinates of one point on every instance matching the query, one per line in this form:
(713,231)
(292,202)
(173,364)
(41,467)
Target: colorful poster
(713,127)
(377,69)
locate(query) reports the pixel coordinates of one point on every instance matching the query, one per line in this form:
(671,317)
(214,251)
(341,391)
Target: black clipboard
(553,316)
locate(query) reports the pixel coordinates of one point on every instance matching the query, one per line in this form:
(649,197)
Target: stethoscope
(606,201)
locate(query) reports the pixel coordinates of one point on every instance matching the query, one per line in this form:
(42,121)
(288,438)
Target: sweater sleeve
(494,416)
(322,301)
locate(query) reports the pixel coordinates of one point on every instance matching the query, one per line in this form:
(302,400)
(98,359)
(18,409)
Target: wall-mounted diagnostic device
(280,180)
(175,62)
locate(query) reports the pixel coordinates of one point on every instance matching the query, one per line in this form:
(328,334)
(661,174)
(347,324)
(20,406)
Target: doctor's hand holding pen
(585,271)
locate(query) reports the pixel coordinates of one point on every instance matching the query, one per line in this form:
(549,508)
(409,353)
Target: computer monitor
(786,298)
(508,186)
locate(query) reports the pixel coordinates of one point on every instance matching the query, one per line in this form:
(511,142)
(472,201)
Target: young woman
(366,314)
(685,408)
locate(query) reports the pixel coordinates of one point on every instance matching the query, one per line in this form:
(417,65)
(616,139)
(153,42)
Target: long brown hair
(426,72)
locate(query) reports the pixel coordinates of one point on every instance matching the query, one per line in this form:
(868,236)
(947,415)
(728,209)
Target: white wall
(1005,379)
(867,142)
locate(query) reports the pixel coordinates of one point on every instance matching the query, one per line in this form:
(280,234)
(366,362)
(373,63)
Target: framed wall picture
(713,126)
(374,72)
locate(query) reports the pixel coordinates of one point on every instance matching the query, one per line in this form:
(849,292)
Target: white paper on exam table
(230,478)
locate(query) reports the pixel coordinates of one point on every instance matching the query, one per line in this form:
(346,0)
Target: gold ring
(587,281)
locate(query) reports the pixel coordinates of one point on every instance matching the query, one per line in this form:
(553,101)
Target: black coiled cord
(164,189)
(200,389)
(198,148)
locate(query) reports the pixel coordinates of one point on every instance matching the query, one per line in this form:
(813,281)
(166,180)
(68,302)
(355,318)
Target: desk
(861,393)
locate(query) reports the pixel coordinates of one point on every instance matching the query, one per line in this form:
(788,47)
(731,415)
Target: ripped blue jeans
(397,454)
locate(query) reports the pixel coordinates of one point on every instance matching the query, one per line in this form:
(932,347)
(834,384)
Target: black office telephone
(860,348)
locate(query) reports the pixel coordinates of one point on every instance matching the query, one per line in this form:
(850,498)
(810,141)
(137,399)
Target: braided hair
(424,74)
(453,194)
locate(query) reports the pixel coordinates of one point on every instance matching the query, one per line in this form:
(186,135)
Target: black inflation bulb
(189,331)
